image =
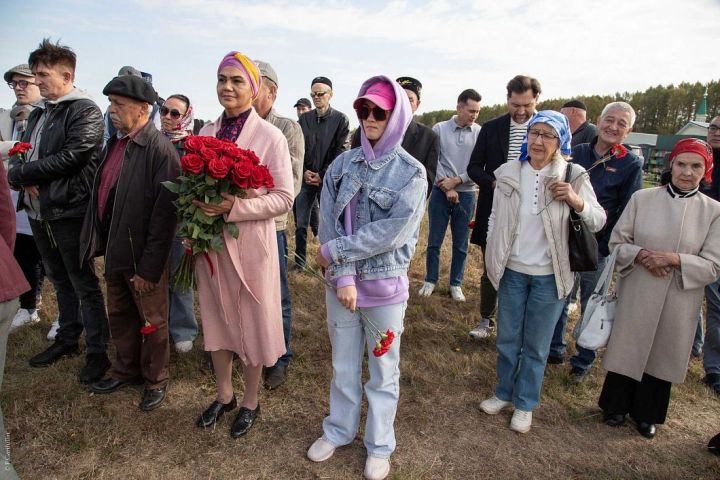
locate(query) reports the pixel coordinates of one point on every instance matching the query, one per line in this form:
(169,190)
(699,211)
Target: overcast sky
(572,47)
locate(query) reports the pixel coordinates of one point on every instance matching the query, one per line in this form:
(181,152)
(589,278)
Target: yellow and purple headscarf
(251,71)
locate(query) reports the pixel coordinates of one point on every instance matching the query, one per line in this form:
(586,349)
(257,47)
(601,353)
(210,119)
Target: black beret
(131,87)
(575,104)
(324,80)
(412,84)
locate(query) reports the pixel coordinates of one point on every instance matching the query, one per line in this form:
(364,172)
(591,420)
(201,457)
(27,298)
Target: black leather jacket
(67,155)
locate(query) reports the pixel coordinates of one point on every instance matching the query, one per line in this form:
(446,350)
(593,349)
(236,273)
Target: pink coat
(240,301)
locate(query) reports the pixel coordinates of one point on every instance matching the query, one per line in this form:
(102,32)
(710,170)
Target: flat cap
(22,69)
(133,87)
(267,71)
(575,104)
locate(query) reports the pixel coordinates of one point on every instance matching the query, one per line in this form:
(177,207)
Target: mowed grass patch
(59,430)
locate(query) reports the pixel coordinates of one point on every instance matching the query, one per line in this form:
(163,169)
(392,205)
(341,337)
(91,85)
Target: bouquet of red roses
(210,167)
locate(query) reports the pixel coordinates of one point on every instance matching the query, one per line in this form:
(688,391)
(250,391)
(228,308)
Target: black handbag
(582,244)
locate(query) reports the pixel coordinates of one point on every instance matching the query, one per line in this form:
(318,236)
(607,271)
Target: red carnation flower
(19,148)
(471,224)
(387,339)
(148,328)
(619,151)
(192,163)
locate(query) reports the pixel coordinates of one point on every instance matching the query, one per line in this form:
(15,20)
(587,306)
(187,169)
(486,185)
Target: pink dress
(240,301)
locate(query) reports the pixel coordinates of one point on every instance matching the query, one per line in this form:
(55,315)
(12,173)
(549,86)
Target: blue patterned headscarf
(558,122)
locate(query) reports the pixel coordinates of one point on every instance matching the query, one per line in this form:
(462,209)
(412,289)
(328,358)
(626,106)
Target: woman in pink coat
(240,295)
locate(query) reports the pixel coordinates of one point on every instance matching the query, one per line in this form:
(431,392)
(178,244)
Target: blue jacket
(614,183)
(390,207)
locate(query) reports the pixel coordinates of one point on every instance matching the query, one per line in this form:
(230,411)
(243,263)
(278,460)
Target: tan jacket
(503,223)
(656,317)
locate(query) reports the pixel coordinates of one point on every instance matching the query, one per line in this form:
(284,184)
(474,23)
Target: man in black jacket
(499,141)
(419,141)
(326,136)
(55,177)
(131,220)
(582,130)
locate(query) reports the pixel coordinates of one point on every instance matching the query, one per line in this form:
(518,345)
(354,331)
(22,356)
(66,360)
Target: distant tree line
(660,109)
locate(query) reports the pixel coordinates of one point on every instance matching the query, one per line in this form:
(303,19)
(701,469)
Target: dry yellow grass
(58,430)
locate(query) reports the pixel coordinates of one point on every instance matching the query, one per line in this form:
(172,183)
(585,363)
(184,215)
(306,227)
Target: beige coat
(502,226)
(656,318)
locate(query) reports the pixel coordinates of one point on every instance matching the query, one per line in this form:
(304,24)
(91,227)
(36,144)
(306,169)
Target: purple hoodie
(386,291)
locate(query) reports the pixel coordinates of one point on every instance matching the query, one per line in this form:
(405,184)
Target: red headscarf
(697,146)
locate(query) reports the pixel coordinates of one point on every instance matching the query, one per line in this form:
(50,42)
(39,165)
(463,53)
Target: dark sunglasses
(173,113)
(378,113)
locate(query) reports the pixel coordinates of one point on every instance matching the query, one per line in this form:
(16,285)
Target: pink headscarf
(248,67)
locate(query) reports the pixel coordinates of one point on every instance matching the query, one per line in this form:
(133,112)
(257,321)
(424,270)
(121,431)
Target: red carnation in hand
(192,163)
(218,168)
(471,225)
(19,148)
(387,338)
(148,328)
(619,151)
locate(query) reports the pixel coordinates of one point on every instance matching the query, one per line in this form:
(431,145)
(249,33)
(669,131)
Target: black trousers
(28,257)
(646,401)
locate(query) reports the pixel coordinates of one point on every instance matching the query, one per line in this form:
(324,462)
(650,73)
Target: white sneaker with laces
(53,330)
(457,294)
(24,317)
(483,330)
(521,421)
(320,450)
(184,347)
(376,468)
(493,405)
(427,289)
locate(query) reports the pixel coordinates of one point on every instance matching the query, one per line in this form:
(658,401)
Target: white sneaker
(24,317)
(320,450)
(483,330)
(376,468)
(456,294)
(521,421)
(53,330)
(184,347)
(427,289)
(493,405)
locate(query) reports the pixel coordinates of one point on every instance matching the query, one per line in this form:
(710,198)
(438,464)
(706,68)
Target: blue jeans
(350,337)
(80,301)
(586,281)
(182,322)
(440,213)
(284,298)
(304,204)
(527,309)
(711,357)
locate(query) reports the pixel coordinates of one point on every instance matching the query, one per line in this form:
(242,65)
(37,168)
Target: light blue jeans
(181,317)
(528,309)
(350,338)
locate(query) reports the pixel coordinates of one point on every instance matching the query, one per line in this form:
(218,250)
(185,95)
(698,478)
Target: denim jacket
(390,207)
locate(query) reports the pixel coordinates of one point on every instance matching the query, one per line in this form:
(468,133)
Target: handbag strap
(603,283)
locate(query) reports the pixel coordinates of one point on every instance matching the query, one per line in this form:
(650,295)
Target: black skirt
(646,401)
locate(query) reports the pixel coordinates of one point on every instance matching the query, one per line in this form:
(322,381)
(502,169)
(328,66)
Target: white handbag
(593,330)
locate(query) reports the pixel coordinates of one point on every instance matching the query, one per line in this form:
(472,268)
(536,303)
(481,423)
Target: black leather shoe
(552,360)
(52,354)
(275,376)
(96,364)
(213,413)
(614,419)
(712,380)
(109,385)
(647,430)
(714,444)
(244,421)
(152,398)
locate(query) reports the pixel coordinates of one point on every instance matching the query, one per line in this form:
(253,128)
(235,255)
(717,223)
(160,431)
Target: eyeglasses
(546,137)
(174,113)
(378,113)
(23,84)
(713,129)
(317,94)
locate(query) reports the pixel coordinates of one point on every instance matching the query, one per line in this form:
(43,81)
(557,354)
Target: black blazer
(420,142)
(491,150)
